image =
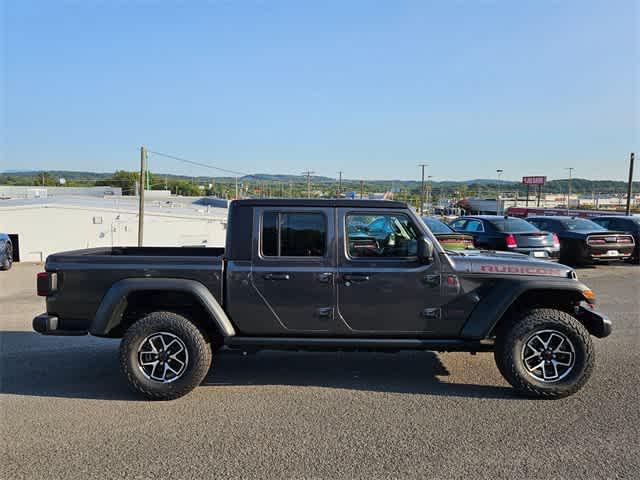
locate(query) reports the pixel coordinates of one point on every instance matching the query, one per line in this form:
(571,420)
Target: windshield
(581,224)
(513,225)
(436,226)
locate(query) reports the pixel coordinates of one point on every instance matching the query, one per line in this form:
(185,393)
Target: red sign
(534,180)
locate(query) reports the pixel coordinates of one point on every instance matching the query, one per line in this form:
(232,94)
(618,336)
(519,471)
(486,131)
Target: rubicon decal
(521,270)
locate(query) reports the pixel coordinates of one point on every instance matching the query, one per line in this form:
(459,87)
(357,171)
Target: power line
(200,164)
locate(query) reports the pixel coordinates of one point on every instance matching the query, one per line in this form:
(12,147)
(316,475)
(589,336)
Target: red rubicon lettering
(521,270)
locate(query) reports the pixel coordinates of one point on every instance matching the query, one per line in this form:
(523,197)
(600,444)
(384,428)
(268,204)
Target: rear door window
(289,234)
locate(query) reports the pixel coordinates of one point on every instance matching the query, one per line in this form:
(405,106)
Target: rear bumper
(50,325)
(613,252)
(597,323)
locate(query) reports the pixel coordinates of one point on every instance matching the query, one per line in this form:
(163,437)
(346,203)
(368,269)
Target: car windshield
(513,225)
(581,224)
(436,226)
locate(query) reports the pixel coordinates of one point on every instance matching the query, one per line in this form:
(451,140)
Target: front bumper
(50,325)
(597,323)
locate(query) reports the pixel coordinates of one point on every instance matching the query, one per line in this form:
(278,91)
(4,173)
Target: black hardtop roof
(314,202)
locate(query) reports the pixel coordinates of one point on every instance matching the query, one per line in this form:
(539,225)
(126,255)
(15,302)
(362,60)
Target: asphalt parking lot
(67,413)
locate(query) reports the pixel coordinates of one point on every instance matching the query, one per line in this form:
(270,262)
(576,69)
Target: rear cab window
(293,234)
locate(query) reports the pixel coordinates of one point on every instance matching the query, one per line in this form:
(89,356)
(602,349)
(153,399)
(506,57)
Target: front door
(382,287)
(294,266)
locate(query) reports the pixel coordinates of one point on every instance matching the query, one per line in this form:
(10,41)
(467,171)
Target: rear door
(382,288)
(294,266)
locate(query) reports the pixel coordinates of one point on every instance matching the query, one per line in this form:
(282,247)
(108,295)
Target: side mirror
(425,250)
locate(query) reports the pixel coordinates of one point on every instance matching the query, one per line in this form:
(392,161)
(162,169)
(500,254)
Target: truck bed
(85,276)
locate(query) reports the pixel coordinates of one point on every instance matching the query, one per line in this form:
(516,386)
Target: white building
(45,225)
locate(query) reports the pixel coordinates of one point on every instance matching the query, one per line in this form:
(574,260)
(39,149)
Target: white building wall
(46,229)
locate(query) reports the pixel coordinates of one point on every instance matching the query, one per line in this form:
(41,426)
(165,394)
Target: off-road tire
(510,343)
(197,345)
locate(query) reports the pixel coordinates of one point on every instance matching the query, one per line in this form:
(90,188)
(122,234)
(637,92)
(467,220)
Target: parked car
(291,277)
(6,252)
(495,232)
(629,224)
(584,241)
(447,236)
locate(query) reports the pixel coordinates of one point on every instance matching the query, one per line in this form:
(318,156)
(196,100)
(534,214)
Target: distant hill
(86,178)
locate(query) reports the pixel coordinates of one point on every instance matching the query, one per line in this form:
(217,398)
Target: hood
(507,263)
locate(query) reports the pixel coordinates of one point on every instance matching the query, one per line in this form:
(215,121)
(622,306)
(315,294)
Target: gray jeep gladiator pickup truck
(323,275)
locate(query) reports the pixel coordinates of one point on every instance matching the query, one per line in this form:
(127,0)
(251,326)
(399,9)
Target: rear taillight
(47,283)
(510,240)
(596,241)
(624,239)
(556,240)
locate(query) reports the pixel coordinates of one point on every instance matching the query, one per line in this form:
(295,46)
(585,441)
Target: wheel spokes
(548,355)
(163,357)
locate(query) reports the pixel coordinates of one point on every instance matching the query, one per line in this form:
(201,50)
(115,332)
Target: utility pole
(236,188)
(290,189)
(571,169)
(339,183)
(499,172)
(361,189)
(422,199)
(308,173)
(429,187)
(143,157)
(631,158)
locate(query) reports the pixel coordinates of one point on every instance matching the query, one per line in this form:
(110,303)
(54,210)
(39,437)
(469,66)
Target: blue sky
(370,88)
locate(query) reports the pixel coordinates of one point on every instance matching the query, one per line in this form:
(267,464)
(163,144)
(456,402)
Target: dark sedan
(447,236)
(623,224)
(584,241)
(494,232)
(6,252)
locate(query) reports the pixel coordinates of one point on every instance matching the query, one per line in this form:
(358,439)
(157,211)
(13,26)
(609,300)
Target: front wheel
(164,356)
(546,353)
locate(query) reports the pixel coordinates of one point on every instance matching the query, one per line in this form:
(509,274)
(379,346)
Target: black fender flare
(492,307)
(113,304)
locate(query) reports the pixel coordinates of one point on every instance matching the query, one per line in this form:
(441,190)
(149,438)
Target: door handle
(356,277)
(325,312)
(276,276)
(325,277)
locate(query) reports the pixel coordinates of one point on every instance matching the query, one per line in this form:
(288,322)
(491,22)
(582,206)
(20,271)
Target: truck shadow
(69,368)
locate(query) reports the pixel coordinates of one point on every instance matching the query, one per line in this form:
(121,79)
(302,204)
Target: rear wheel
(545,354)
(164,356)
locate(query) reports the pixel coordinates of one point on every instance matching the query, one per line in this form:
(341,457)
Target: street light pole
(571,169)
(422,199)
(143,159)
(339,183)
(628,209)
(498,206)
